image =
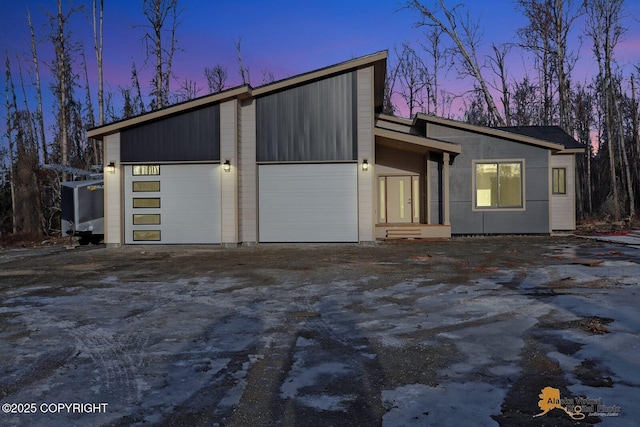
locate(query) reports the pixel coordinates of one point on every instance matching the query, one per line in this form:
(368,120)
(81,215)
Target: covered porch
(412,182)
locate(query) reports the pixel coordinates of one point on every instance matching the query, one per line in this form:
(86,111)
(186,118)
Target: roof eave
(489,131)
(432,144)
(101,131)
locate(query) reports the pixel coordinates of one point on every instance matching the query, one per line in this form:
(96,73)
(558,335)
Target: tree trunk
(635,131)
(39,114)
(610,145)
(624,159)
(62,95)
(97,45)
(11,108)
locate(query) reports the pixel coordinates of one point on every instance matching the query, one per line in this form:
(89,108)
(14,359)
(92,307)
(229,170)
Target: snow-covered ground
(378,341)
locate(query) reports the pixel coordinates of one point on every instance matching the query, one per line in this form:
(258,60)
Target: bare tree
(499,67)
(437,98)
(24,163)
(603,26)
(137,102)
(584,122)
(635,129)
(98,13)
(537,38)
(89,119)
(413,78)
(64,80)
(161,46)
(11,109)
(267,77)
(216,78)
(564,14)
(464,34)
(188,90)
(524,110)
(245,74)
(98,16)
(36,70)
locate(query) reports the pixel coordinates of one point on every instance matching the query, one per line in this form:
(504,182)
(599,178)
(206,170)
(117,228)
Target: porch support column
(446,219)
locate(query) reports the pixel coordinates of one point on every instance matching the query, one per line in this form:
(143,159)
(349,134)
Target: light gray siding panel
(563,206)
(247,173)
(189,204)
(313,122)
(365,150)
(308,203)
(113,193)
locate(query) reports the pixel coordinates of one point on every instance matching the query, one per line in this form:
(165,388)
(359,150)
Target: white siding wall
(112,192)
(308,202)
(247,192)
(366,200)
(228,180)
(563,206)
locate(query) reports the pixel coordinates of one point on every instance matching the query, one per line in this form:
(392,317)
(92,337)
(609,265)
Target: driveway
(478,331)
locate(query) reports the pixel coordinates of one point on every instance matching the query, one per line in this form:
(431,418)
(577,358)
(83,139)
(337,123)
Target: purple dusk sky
(283,37)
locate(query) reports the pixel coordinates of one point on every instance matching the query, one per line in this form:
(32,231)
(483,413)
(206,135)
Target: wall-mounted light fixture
(365,165)
(227,166)
(111,168)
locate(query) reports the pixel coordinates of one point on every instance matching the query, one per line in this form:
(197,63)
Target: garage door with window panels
(172,203)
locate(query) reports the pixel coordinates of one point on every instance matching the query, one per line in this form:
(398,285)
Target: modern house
(312,159)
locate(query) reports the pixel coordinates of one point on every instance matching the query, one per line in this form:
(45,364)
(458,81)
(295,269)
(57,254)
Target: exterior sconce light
(111,168)
(365,165)
(227,166)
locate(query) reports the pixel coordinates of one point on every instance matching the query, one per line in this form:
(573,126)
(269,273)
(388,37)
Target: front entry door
(399,199)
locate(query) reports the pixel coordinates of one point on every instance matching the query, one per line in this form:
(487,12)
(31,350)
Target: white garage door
(308,203)
(166,204)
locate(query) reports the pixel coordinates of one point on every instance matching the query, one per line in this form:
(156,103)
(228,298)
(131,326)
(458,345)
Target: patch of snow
(448,404)
(302,376)
(327,402)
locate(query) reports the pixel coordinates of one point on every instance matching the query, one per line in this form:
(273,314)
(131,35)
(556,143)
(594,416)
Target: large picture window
(498,185)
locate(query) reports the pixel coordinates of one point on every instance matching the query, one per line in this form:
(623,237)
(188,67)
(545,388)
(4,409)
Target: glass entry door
(399,199)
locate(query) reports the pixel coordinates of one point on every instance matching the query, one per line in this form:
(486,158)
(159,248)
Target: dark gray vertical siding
(191,136)
(314,122)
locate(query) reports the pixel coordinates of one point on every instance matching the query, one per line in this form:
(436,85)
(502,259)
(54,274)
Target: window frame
(134,190)
(498,162)
(564,181)
(136,232)
(134,199)
(137,219)
(151,170)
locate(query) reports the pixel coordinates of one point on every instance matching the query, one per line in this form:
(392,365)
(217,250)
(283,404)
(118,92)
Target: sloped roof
(420,120)
(378,60)
(553,134)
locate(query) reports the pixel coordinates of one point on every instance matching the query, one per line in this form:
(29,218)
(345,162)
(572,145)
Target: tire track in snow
(117,360)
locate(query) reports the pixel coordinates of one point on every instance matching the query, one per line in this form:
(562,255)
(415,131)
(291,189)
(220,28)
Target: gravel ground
(463,332)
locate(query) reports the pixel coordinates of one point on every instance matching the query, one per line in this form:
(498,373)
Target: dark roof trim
(548,133)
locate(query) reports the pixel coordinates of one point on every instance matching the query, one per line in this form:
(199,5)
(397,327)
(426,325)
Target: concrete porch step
(404,233)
